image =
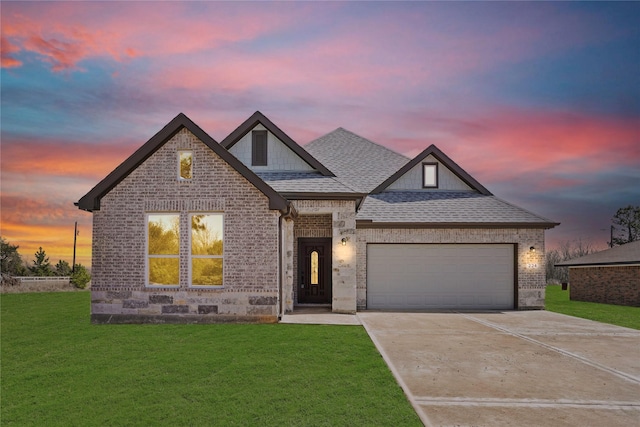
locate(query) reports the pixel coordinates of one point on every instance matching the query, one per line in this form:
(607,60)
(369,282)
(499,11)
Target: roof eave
(260,118)
(91,201)
(301,195)
(442,158)
(600,264)
(367,223)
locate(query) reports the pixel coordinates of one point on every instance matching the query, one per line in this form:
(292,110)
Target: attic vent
(259,148)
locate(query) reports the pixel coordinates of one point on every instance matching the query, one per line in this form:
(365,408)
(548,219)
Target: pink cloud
(502,144)
(64,34)
(59,158)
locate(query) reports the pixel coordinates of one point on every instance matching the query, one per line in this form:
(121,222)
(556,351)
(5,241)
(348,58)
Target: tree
(567,250)
(41,265)
(63,268)
(11,260)
(626,223)
(80,277)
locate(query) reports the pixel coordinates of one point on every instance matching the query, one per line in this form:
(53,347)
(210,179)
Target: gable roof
(434,151)
(443,209)
(91,200)
(258,117)
(357,162)
(618,255)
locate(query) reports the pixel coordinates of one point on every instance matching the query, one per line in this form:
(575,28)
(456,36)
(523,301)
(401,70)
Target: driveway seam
(529,403)
(619,374)
(416,407)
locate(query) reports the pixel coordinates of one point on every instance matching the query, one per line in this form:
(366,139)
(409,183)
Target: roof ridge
(340,128)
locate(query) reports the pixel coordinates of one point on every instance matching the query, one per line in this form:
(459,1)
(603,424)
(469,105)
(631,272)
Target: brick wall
(250,271)
(530,276)
(618,285)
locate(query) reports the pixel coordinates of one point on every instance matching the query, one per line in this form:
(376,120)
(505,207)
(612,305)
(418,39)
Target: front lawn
(558,300)
(58,369)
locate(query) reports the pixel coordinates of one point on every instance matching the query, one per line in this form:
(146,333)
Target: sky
(540,102)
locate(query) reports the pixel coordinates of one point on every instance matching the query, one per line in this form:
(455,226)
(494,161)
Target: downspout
(280,239)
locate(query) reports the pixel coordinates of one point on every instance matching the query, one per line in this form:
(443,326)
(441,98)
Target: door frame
(327,242)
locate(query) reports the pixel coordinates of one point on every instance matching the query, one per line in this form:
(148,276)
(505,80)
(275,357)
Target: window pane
(164,234)
(164,271)
(186,161)
(314,267)
(206,234)
(430,175)
(206,272)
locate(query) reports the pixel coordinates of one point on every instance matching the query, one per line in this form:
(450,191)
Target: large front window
(206,261)
(163,249)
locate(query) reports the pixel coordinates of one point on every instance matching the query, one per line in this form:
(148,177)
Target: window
(163,249)
(259,148)
(429,175)
(206,252)
(185,165)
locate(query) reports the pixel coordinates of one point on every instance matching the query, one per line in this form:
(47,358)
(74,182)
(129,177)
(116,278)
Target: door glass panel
(314,267)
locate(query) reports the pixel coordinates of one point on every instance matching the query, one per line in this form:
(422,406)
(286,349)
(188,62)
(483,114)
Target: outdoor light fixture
(344,241)
(532,249)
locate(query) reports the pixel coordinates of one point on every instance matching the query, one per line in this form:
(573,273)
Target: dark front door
(314,271)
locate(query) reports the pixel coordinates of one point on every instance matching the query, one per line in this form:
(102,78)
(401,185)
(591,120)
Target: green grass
(558,300)
(58,369)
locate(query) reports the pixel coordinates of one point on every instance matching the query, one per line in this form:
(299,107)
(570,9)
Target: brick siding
(618,285)
(250,272)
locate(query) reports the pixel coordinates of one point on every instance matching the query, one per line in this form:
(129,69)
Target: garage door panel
(436,276)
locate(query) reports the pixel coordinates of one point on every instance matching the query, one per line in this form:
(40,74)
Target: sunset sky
(540,102)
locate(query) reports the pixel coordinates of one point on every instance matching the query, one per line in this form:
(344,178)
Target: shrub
(80,277)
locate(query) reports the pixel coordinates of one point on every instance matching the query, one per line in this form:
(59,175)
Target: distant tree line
(13,265)
(625,228)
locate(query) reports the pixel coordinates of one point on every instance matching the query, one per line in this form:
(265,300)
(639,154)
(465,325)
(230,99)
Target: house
(191,230)
(611,276)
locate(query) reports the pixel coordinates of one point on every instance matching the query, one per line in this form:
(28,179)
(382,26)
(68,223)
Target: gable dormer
(431,170)
(263,147)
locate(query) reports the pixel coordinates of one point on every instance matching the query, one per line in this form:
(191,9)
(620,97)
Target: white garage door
(429,276)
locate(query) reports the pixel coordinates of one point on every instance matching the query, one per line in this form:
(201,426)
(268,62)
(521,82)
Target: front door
(314,271)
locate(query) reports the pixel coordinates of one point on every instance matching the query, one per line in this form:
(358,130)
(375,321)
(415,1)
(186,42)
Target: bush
(80,277)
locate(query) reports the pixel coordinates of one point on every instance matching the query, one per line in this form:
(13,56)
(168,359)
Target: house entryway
(314,271)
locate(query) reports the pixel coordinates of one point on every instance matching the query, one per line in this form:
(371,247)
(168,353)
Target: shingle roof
(303,182)
(624,254)
(356,161)
(444,208)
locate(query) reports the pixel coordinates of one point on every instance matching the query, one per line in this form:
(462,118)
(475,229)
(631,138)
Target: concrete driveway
(520,368)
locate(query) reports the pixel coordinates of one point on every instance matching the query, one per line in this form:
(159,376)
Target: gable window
(206,253)
(163,249)
(429,175)
(259,148)
(185,164)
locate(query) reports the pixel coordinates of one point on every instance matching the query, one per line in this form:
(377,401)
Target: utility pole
(75,237)
(611,241)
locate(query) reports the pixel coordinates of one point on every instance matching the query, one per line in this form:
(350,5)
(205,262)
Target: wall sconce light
(344,241)
(532,249)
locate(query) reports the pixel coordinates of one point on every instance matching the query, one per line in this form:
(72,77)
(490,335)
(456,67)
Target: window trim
(424,174)
(262,149)
(148,256)
(190,256)
(179,171)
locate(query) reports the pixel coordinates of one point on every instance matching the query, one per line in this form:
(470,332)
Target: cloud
(57,158)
